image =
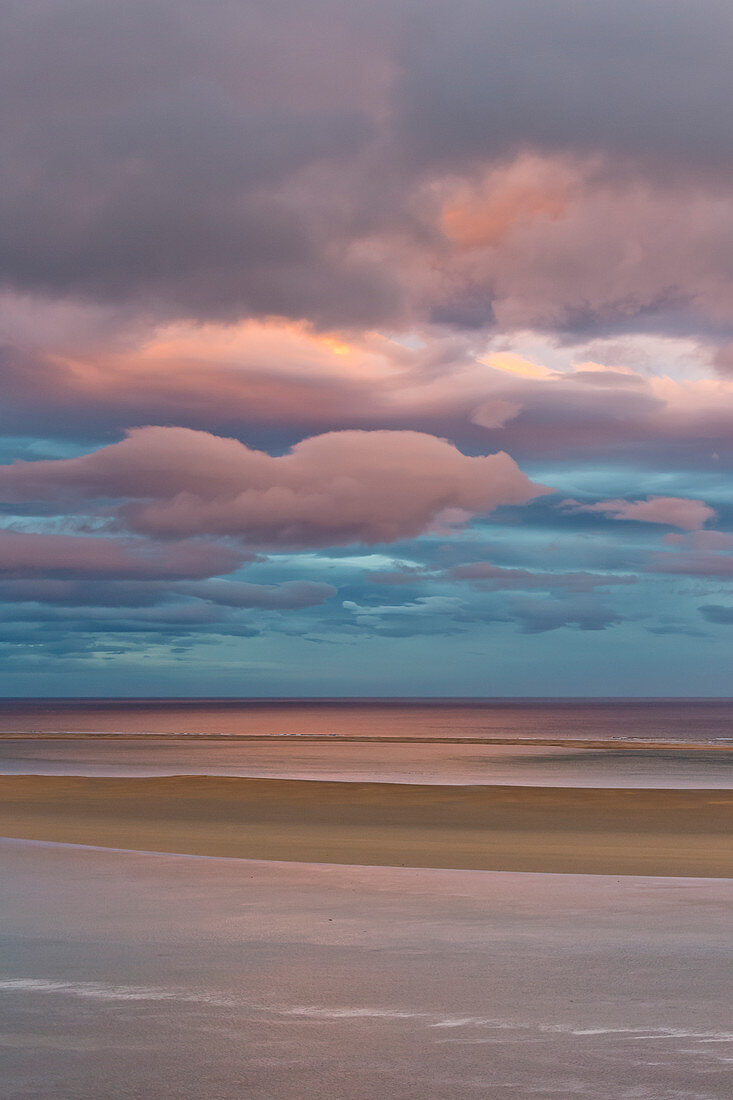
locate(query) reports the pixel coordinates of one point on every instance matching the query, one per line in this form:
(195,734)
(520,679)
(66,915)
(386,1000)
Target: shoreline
(611,831)
(277,738)
(294,866)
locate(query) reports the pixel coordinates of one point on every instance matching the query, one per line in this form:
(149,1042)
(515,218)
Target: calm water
(523,764)
(377,741)
(655,720)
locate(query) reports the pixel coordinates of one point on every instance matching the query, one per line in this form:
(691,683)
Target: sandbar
(500,828)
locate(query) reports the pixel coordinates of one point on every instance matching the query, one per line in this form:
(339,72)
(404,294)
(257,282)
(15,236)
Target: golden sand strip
(569,830)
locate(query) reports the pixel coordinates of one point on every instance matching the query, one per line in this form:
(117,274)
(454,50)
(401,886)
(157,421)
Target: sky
(366,349)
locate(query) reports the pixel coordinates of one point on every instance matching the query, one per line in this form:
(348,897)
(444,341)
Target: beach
(561,830)
(273,912)
(138,975)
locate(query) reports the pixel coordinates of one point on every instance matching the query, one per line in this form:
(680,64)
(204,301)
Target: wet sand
(501,828)
(132,975)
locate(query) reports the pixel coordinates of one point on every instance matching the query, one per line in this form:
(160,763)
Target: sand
(500,828)
(134,975)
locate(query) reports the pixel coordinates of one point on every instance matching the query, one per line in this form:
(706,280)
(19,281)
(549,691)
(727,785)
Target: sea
(682,743)
(662,720)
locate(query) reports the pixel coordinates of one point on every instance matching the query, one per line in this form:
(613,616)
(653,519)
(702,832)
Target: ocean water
(522,764)
(676,720)
(658,744)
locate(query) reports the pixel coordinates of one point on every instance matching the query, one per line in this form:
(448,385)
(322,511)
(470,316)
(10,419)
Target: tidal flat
(130,975)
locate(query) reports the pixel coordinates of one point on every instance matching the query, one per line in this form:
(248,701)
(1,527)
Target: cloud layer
(689,515)
(286,289)
(339,488)
(494,163)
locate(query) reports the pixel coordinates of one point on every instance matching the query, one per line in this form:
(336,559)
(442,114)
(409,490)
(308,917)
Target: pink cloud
(275,377)
(26,555)
(341,487)
(699,554)
(551,239)
(682,512)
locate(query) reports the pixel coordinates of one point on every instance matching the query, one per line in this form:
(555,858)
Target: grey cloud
(450,615)
(218,160)
(26,555)
(88,592)
(176,135)
(83,593)
(484,575)
(585,613)
(426,615)
(274,597)
(34,625)
(639,80)
(402,575)
(721,614)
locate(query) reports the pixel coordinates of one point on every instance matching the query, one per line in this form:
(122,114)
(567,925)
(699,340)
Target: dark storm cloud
(210,159)
(154,152)
(649,79)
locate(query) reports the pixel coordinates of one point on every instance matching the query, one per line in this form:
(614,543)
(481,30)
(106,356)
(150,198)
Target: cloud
(349,258)
(562,246)
(647,81)
(682,512)
(447,614)
(720,614)
(338,488)
(723,360)
(488,577)
(63,629)
(25,555)
(401,575)
(186,136)
(273,383)
(426,615)
(583,612)
(86,592)
(700,554)
(271,597)
(221,161)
